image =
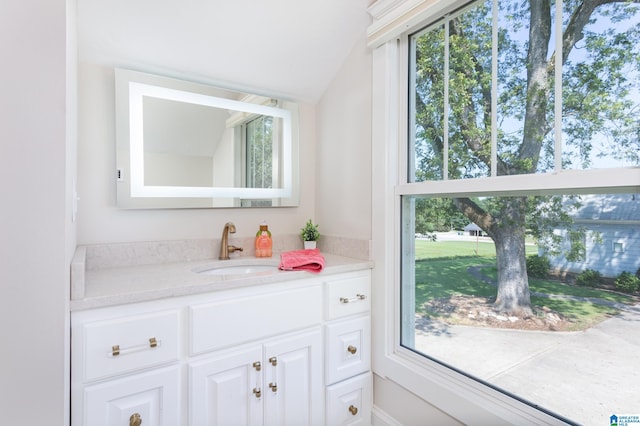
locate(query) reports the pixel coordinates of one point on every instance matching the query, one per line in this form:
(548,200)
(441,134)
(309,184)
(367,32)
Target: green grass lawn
(441,271)
(439,249)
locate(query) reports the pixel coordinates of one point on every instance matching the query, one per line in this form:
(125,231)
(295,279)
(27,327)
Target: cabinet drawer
(232,321)
(350,402)
(348,350)
(152,396)
(126,344)
(349,296)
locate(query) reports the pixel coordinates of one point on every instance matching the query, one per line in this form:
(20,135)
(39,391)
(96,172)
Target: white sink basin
(240,268)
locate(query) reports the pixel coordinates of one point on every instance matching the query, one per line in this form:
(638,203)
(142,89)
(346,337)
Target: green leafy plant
(538,266)
(589,277)
(310,232)
(627,282)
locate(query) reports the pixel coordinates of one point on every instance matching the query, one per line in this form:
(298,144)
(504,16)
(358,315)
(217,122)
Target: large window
(508,274)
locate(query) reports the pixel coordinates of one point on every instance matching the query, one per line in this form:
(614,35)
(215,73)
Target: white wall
(100,220)
(343,168)
(36,234)
(344,197)
(405,407)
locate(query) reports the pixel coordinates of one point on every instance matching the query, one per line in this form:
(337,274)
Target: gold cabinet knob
(135,420)
(274,387)
(353,409)
(273,360)
(257,365)
(257,392)
(352,349)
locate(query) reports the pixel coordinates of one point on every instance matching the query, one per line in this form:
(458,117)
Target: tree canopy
(455,109)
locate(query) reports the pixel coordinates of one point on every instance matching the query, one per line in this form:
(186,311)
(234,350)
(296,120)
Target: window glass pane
(525,83)
(451,90)
(426,147)
(451,97)
(520,293)
(601,87)
(469,100)
(260,153)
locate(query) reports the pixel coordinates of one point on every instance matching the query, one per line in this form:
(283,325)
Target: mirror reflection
(182,144)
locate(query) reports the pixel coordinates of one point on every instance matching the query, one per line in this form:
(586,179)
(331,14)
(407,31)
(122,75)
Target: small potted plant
(310,235)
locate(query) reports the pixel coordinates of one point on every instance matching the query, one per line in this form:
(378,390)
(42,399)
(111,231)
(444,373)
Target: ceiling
(285,48)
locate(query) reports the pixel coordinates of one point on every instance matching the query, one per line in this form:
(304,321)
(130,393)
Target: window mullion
(494,89)
(595,181)
(445,127)
(410,172)
(558,91)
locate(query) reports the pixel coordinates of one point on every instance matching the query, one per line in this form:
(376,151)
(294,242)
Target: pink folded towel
(302,260)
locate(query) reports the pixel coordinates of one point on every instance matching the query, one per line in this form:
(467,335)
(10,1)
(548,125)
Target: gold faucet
(225,248)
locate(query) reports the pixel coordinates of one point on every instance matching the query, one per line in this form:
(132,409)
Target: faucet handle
(234,248)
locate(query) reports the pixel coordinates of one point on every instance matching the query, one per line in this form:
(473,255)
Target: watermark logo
(624,420)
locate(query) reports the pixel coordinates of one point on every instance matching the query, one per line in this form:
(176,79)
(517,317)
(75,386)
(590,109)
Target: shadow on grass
(437,278)
(475,276)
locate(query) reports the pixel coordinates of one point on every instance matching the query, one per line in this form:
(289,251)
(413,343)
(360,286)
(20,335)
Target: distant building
(473,230)
(612,237)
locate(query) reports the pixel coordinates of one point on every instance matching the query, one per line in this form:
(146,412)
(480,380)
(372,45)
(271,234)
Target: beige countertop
(110,286)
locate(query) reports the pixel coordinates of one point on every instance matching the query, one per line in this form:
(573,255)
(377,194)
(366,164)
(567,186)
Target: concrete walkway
(585,376)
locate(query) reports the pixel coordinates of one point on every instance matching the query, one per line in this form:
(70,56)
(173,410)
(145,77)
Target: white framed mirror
(182,144)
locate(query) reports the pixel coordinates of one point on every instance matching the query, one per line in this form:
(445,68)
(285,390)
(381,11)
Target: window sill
(459,396)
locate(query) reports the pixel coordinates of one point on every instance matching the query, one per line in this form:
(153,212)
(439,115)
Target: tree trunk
(507,232)
(509,237)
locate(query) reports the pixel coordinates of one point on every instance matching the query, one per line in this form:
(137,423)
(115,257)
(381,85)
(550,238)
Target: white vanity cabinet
(294,352)
(125,366)
(276,383)
(349,398)
(261,379)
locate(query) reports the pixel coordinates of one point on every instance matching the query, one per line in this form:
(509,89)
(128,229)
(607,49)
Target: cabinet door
(349,403)
(293,384)
(226,389)
(153,397)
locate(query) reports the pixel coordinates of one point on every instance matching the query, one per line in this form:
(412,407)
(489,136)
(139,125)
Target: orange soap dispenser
(263,241)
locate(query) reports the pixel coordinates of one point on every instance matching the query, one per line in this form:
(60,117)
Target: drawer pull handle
(352,349)
(274,387)
(353,409)
(257,392)
(353,299)
(117,350)
(135,420)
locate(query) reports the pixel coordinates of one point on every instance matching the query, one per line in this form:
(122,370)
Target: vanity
(161,334)
(198,342)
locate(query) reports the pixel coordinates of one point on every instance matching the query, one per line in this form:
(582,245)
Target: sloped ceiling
(287,48)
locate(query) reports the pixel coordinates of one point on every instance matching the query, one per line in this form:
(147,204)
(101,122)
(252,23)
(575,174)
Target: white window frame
(459,396)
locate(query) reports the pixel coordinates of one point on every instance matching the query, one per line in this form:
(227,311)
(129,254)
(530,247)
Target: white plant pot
(309,245)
